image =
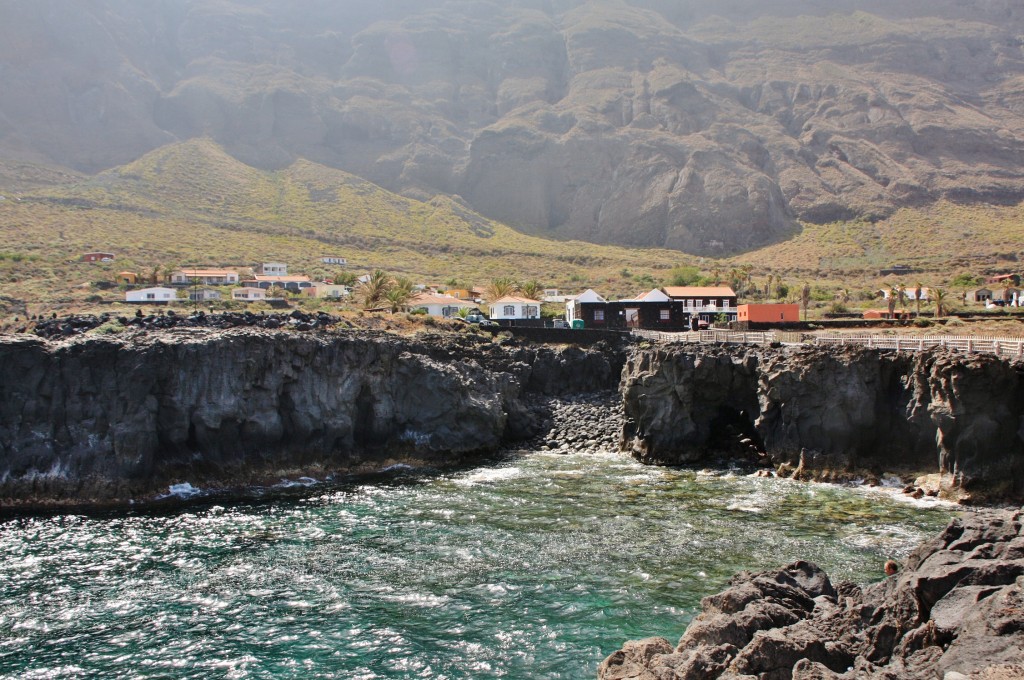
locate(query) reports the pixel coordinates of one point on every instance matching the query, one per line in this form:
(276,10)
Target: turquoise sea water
(535,567)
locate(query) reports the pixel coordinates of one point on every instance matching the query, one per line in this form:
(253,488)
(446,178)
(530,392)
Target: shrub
(922,323)
(111,327)
(838,308)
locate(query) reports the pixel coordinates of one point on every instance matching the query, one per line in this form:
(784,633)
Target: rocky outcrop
(107,419)
(675,124)
(831,413)
(954,610)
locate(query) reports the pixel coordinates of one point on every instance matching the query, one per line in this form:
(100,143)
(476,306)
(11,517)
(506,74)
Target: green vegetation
(192,204)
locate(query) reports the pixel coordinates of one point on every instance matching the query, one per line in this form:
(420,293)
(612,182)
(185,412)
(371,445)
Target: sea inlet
(535,566)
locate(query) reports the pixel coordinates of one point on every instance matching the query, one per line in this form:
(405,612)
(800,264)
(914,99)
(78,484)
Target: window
(532,312)
(598,315)
(666,315)
(150,296)
(509,310)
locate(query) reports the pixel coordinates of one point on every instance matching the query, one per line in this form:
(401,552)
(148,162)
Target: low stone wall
(569,336)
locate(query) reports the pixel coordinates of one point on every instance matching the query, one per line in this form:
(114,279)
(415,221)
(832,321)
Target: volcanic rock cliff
(955,610)
(108,419)
(830,413)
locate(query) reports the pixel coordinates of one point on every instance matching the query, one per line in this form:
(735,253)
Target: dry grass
(193,204)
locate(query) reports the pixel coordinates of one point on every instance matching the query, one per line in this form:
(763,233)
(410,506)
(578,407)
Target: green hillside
(193,204)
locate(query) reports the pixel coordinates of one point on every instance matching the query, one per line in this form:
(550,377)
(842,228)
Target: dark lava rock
(956,609)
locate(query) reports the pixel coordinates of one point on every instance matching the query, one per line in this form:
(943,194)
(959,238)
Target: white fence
(1005,347)
(731,337)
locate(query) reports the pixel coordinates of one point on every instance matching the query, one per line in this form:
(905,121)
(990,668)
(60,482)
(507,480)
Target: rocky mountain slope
(706,127)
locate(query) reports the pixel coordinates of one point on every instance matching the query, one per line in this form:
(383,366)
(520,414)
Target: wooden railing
(730,337)
(1006,347)
(738,337)
(662,336)
(1000,346)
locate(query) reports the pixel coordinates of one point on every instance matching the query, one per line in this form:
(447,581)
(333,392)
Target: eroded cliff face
(827,412)
(111,419)
(705,127)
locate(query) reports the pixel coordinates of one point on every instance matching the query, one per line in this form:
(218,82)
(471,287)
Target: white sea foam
(183,490)
(398,467)
(291,483)
(490,476)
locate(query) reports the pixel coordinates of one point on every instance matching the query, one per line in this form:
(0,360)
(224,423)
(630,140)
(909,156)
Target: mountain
(193,203)
(712,128)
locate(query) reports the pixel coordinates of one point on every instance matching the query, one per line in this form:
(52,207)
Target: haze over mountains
(709,127)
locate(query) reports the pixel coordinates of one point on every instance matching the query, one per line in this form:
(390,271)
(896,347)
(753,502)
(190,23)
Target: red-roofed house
(514,308)
(204,277)
(444,306)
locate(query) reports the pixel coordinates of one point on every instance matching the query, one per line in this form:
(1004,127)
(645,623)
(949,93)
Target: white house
(158,294)
(514,307)
(328,290)
(439,305)
(205,277)
(294,283)
(204,295)
(248,294)
(573,302)
(272,269)
(909,293)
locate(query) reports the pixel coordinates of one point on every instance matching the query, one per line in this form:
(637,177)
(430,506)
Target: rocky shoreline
(954,610)
(111,418)
(833,414)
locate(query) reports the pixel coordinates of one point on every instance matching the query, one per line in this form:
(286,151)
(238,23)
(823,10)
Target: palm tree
(531,289)
(500,287)
(901,292)
(375,289)
(736,280)
(398,297)
(1007,291)
(940,302)
(748,275)
(779,286)
(894,293)
(805,298)
(716,274)
(918,289)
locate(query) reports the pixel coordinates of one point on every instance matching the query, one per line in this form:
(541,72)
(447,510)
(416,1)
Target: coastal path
(1000,346)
